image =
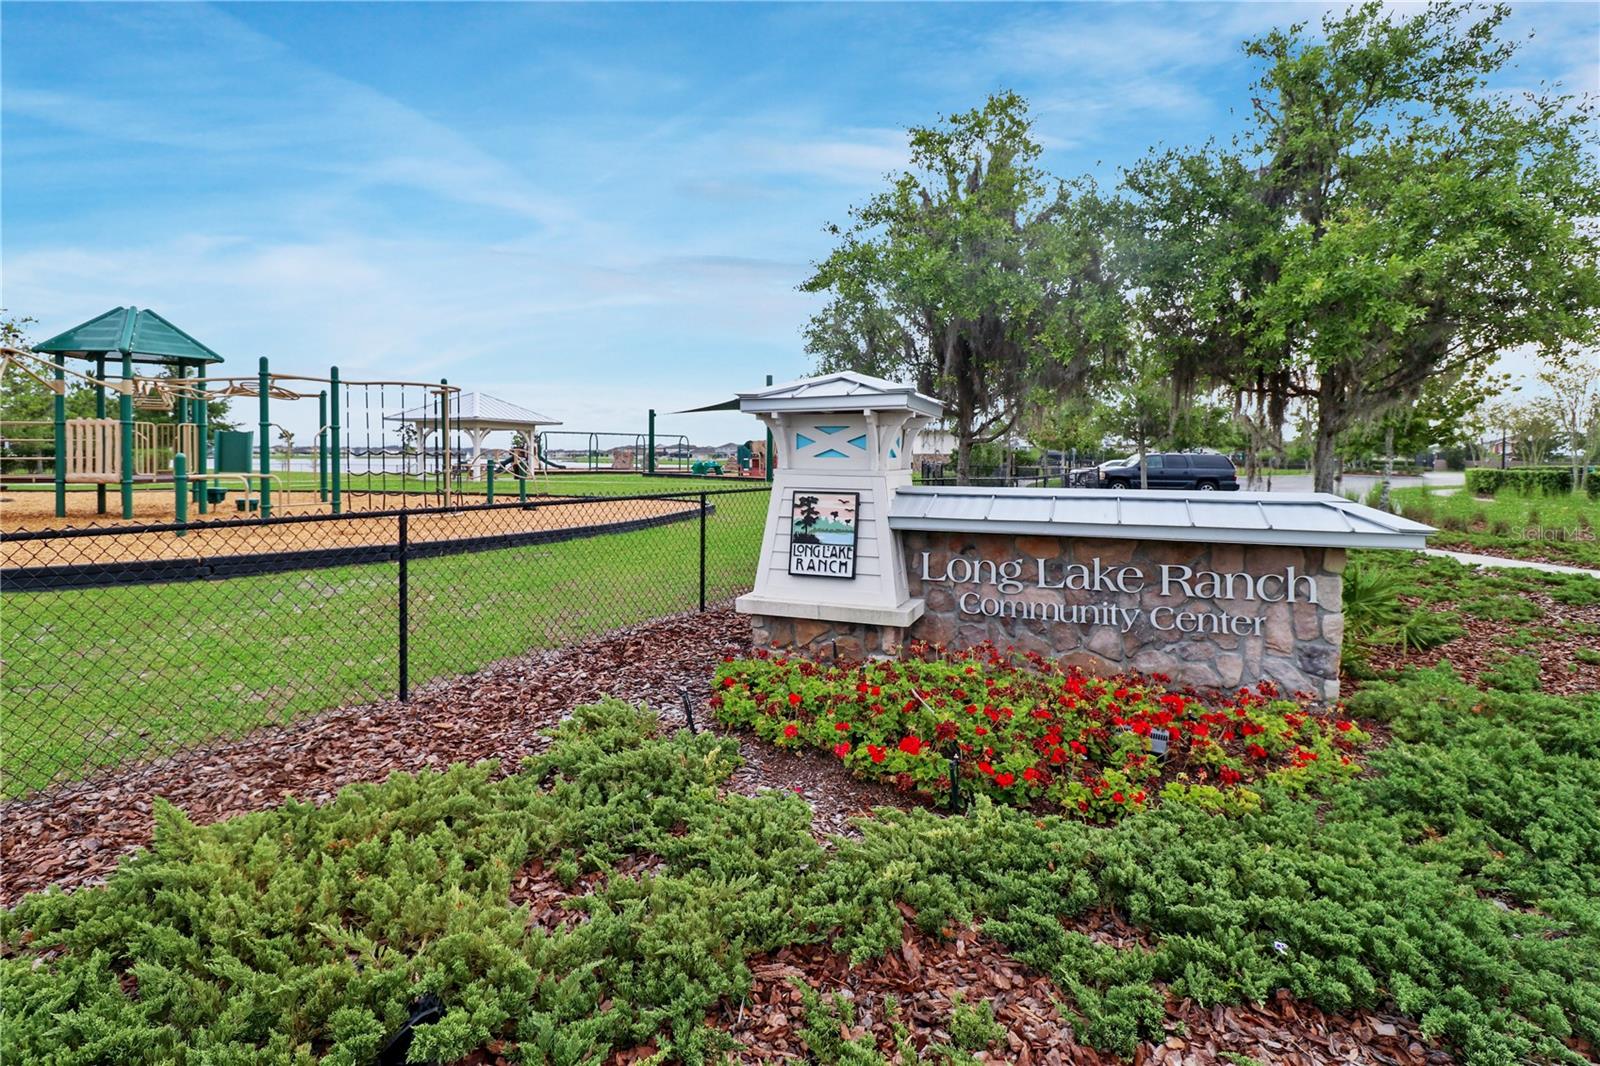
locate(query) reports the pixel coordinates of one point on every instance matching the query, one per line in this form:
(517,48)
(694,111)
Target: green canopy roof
(144,335)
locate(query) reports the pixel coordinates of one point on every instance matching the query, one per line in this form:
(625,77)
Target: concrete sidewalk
(1511,564)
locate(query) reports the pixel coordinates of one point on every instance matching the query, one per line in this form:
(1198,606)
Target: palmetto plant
(1371,602)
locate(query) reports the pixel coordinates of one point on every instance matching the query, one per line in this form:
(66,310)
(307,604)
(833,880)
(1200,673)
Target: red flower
(945,731)
(875,752)
(1229,775)
(842,727)
(1345,727)
(1257,751)
(1138,797)
(911,745)
(841,749)
(1005,780)
(791,731)
(727,682)
(1031,774)
(794,699)
(985,768)
(1116,797)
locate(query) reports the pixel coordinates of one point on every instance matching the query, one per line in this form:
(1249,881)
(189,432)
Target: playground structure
(375,445)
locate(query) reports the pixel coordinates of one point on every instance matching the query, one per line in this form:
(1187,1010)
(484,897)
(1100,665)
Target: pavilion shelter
(476,415)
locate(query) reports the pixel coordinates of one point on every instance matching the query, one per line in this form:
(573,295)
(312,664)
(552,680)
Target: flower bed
(1027,732)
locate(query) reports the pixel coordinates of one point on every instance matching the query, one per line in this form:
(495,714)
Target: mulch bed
(75,835)
(926,975)
(1482,647)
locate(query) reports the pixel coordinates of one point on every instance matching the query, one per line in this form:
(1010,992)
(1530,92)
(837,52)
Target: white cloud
(856,157)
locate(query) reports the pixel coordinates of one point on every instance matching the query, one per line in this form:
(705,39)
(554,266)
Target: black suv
(1205,471)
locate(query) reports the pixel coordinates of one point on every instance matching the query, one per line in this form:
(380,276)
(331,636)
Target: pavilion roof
(477,410)
(141,334)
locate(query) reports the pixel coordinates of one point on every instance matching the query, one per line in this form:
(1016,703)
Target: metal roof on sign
(1302,519)
(845,390)
(144,335)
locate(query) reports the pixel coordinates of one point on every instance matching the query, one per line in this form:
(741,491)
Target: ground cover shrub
(1457,882)
(1527,480)
(1504,783)
(1025,731)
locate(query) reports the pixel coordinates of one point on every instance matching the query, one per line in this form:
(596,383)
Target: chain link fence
(130,642)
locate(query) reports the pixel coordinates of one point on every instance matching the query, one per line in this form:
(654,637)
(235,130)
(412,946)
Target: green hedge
(1528,480)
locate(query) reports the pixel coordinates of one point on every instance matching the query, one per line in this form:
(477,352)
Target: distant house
(938,444)
(933,444)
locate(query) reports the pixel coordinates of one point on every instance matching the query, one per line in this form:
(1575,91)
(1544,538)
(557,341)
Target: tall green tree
(1137,406)
(1573,379)
(1384,220)
(975,276)
(1443,413)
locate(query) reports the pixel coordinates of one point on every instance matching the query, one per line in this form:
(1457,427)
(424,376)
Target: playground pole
(447,461)
(264,402)
(100,412)
(650,446)
(322,445)
(181,416)
(180,482)
(58,407)
(202,433)
(771,455)
(333,432)
(125,409)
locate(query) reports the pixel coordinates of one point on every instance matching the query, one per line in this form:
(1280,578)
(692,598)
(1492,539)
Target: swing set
(355,458)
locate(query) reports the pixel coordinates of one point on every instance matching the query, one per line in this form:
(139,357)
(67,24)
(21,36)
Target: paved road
(1360,483)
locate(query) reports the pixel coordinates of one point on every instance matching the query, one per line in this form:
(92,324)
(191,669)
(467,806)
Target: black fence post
(703,504)
(405,613)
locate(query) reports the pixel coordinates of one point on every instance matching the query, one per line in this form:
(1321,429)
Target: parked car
(1205,471)
(1089,476)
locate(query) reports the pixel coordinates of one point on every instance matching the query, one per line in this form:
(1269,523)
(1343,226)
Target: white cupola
(843,445)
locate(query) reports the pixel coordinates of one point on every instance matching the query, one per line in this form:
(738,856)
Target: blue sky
(591,210)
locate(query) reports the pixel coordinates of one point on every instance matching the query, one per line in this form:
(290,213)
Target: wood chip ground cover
(75,835)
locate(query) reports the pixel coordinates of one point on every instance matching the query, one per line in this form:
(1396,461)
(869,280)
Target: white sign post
(844,444)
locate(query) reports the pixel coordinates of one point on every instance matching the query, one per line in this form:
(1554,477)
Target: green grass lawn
(97,676)
(1560,529)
